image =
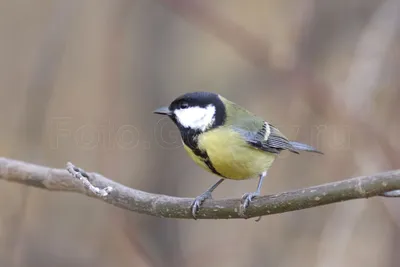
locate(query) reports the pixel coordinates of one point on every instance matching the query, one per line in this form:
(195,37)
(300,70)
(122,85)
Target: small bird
(227,140)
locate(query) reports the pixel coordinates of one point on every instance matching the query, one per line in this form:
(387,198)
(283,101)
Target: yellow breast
(231,156)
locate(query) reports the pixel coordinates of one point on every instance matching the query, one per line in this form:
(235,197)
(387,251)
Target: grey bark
(100,187)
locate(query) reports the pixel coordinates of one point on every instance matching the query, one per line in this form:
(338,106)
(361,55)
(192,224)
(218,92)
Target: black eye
(183,105)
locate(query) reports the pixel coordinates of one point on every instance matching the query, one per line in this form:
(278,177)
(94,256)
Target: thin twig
(174,207)
(84,178)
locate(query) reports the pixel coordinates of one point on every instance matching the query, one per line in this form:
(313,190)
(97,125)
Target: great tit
(227,140)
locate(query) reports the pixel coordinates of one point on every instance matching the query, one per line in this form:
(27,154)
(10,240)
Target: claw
(247,198)
(196,204)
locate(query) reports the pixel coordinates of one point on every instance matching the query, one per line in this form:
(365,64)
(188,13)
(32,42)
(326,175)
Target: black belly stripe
(192,142)
(209,164)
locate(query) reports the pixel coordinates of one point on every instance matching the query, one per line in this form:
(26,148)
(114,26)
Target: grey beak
(163,111)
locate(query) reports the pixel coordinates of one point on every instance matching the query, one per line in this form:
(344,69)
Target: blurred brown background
(79,81)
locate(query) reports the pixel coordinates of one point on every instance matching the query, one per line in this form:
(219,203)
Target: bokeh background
(79,80)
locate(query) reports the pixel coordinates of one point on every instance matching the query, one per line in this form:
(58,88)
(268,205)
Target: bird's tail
(304,147)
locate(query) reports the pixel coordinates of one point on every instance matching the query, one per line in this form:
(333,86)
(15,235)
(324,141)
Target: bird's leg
(248,197)
(200,199)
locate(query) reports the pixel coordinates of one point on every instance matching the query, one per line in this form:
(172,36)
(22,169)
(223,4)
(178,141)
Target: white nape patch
(196,118)
(267,130)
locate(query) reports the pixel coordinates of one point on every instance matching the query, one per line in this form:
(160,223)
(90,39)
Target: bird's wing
(278,141)
(267,138)
(256,131)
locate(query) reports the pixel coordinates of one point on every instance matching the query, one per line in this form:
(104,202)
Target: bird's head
(196,111)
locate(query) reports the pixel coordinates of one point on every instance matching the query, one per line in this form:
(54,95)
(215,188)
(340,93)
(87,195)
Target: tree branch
(100,187)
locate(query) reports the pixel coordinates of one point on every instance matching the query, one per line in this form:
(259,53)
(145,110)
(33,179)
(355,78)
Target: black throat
(190,136)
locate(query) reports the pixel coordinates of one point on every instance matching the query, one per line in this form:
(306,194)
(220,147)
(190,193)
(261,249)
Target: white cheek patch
(197,118)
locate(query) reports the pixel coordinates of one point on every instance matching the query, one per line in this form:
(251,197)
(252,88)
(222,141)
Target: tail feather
(304,147)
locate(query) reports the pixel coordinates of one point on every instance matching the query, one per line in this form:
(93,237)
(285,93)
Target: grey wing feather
(304,147)
(277,140)
(275,143)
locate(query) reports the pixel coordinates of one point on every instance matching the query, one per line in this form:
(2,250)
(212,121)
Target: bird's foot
(247,198)
(196,204)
